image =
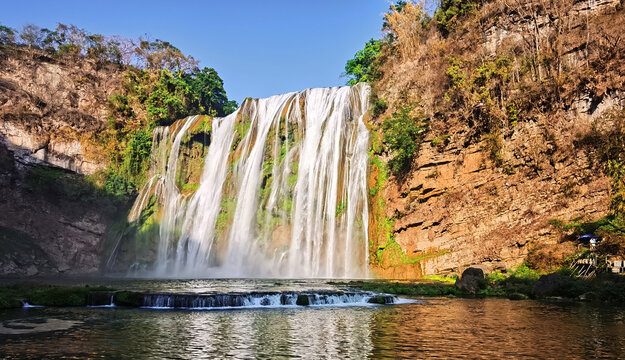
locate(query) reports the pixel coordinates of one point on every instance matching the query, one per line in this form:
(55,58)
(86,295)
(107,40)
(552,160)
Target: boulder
(471,281)
(302,300)
(547,285)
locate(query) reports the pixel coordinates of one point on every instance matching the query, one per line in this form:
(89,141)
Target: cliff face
(51,110)
(488,201)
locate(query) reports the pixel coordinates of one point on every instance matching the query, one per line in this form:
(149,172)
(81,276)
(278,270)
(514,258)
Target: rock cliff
(51,109)
(479,201)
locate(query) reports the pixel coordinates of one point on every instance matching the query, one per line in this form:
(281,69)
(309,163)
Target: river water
(429,328)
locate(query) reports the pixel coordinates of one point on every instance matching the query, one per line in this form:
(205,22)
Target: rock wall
(50,111)
(51,108)
(457,208)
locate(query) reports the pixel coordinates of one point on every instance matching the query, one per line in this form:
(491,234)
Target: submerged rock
(381,299)
(547,285)
(471,281)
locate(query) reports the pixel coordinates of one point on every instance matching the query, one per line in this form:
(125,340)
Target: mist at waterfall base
(283,192)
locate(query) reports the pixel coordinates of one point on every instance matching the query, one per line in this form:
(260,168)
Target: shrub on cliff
(402,135)
(450,10)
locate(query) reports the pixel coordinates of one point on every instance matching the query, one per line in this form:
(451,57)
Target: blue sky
(260,48)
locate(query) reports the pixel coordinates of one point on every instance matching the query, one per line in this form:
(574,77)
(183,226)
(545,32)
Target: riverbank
(607,288)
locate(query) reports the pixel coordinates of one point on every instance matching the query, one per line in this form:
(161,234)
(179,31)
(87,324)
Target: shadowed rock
(471,281)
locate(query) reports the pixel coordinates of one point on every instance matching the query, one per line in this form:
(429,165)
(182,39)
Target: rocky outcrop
(51,108)
(459,203)
(44,233)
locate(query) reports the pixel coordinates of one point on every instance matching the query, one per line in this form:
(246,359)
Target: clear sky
(259,48)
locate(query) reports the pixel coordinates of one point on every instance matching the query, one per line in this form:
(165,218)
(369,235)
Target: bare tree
(32,35)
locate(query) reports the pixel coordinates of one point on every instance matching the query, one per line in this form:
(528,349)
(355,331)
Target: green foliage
(382,175)
(391,253)
(176,95)
(117,185)
(190,187)
(516,285)
(442,278)
(440,140)
(45,295)
(455,73)
(403,134)
(340,208)
(128,298)
(138,153)
(119,105)
(513,113)
(241,129)
(524,272)
(378,107)
(165,97)
(169,100)
(607,225)
(450,10)
(360,68)
(43,178)
(228,207)
(61,184)
(208,88)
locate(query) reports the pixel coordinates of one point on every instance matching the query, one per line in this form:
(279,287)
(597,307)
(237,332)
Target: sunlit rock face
(283,191)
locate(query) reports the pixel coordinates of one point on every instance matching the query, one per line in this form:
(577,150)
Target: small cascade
(260,299)
(283,191)
(101,299)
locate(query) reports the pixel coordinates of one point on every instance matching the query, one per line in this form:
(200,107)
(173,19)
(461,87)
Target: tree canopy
(359,68)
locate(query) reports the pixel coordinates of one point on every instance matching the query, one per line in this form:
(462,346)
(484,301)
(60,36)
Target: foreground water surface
(432,328)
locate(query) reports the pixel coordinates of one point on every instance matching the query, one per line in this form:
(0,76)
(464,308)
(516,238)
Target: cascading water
(283,191)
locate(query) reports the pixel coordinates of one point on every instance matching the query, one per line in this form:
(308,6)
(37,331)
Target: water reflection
(441,328)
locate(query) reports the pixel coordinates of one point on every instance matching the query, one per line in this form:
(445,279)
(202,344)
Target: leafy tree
(360,67)
(402,135)
(171,99)
(208,87)
(7,35)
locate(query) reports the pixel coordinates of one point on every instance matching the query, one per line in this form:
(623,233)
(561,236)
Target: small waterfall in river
(282,193)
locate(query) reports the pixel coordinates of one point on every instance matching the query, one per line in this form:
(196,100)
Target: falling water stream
(283,191)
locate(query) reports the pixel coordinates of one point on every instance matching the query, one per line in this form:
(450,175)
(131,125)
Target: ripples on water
(438,328)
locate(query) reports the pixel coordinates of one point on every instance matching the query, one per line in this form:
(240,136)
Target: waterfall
(283,191)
